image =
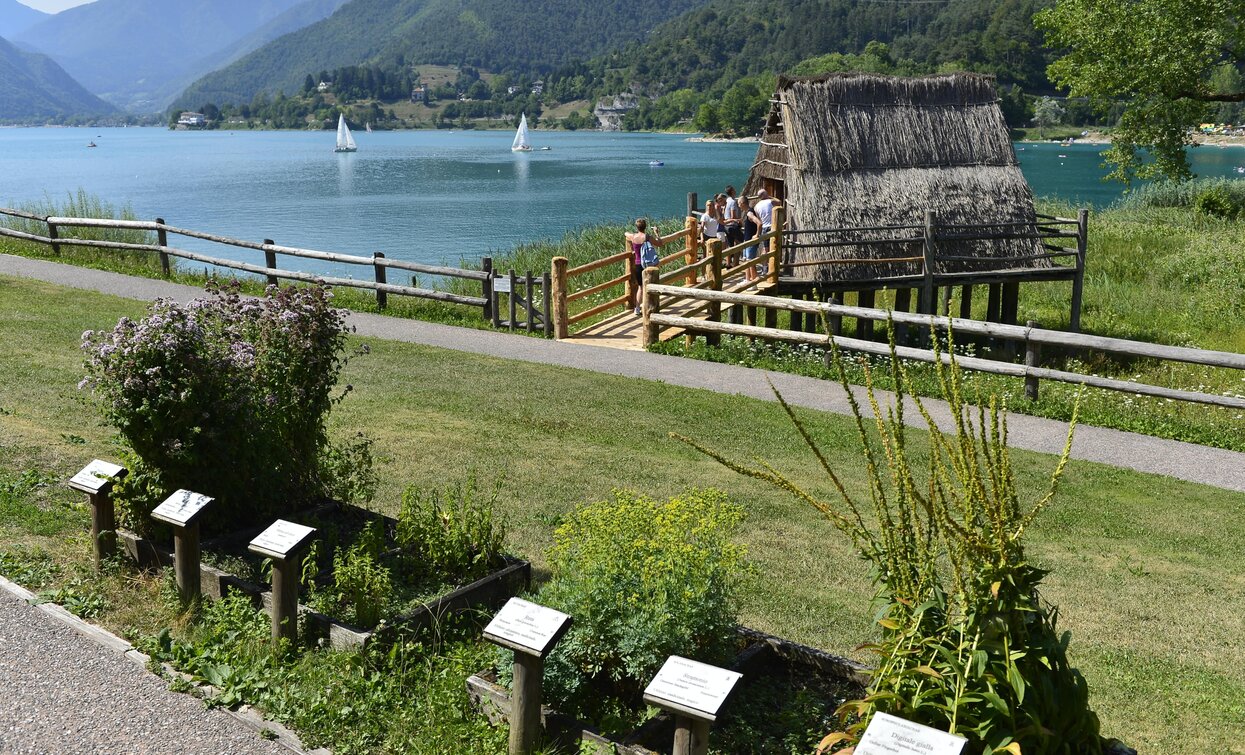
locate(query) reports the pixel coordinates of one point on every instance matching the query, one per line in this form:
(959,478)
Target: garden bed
(417,604)
(782,680)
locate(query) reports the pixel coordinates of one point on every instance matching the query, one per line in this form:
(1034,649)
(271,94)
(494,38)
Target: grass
(1141,565)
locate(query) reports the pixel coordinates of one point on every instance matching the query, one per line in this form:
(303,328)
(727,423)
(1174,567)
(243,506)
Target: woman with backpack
(643,245)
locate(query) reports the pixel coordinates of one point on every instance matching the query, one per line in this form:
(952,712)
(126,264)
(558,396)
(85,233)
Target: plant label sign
(95,476)
(281,539)
(181,508)
(501,284)
(889,735)
(692,688)
(527,627)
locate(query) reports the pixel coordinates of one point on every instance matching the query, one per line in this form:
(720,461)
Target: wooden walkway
(626,330)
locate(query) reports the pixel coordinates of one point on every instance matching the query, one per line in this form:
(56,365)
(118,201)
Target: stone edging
(246,715)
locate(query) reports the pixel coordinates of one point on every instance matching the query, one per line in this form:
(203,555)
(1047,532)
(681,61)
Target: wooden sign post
(889,735)
(282,542)
(96,480)
(693,692)
(531,631)
(182,510)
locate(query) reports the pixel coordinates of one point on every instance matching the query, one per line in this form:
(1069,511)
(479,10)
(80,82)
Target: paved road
(62,694)
(1185,461)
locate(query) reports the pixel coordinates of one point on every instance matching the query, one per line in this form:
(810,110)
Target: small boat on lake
(655,163)
(92,144)
(345,141)
(520,143)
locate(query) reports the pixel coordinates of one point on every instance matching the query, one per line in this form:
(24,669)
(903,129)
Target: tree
(707,120)
(1047,112)
(1157,57)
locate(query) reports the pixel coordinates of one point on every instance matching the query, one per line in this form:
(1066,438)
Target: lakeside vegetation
(1142,585)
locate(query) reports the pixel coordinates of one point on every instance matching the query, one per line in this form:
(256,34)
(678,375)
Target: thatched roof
(862,150)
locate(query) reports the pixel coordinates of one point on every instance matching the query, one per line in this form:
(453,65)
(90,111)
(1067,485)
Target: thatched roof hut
(863,150)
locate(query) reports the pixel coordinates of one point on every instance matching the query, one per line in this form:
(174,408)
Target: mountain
(530,36)
(131,52)
(16,18)
(32,87)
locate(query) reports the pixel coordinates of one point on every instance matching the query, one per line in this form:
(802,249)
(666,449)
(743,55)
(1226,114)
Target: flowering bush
(226,396)
(644,579)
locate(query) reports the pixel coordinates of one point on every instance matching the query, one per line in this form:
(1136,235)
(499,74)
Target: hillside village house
(192,120)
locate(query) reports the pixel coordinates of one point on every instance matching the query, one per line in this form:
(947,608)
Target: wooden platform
(626,330)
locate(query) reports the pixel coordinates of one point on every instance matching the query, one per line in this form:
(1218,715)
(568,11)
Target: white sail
(520,137)
(345,141)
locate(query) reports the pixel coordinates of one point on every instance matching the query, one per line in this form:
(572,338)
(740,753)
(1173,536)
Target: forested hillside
(33,86)
(528,36)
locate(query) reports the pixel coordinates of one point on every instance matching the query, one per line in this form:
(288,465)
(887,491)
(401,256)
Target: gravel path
(1185,461)
(61,693)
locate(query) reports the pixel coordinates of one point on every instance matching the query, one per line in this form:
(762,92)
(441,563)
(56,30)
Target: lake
(428,196)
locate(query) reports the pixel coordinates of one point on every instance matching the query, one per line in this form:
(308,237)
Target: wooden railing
(563,279)
(658,297)
(378,263)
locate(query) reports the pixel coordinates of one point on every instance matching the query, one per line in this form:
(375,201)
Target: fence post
(775,244)
(382,298)
(652,306)
(557,299)
(714,313)
(693,206)
(514,305)
(1078,279)
(547,312)
(633,296)
(162,238)
(531,306)
(1033,354)
(690,244)
(52,234)
(928,292)
(270,261)
(486,266)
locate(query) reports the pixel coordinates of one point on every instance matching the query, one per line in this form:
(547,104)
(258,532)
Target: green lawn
(1146,570)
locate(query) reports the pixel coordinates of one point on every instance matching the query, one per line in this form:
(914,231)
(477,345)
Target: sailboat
(369,127)
(345,142)
(520,137)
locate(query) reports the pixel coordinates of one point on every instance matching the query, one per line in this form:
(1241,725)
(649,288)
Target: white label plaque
(501,284)
(697,687)
(889,735)
(181,508)
(528,626)
(95,476)
(280,539)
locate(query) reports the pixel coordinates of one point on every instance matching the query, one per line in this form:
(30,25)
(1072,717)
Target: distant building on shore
(190,120)
(609,115)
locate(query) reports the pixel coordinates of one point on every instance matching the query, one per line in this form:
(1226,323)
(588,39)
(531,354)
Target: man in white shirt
(764,209)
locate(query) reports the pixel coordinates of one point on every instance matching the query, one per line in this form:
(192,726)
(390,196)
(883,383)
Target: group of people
(736,219)
(732,219)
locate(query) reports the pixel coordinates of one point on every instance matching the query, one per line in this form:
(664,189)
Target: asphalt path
(1143,453)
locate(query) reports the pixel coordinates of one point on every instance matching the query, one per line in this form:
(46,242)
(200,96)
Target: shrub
(361,584)
(226,396)
(644,579)
(455,534)
(1216,202)
(967,645)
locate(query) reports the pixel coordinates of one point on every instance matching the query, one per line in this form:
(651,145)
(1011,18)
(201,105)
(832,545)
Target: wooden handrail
(597,288)
(598,309)
(598,264)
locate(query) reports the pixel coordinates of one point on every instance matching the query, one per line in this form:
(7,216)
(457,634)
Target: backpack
(648,255)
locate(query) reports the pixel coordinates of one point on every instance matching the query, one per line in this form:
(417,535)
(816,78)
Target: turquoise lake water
(429,196)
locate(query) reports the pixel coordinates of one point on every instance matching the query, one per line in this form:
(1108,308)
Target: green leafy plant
(645,579)
(1216,202)
(361,584)
(228,384)
(454,533)
(79,596)
(967,645)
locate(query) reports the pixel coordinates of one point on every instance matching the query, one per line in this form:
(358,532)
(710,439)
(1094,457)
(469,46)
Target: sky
(53,6)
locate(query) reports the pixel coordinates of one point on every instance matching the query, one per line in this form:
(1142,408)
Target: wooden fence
(379,264)
(658,297)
